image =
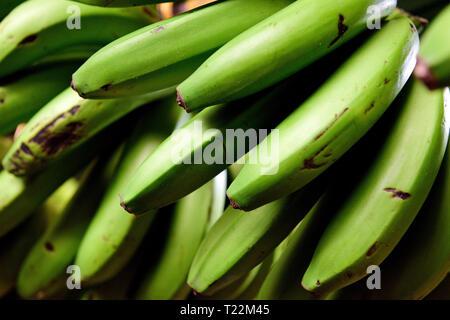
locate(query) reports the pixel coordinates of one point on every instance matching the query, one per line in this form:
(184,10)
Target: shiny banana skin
(229,250)
(65,122)
(188,227)
(21,196)
(53,28)
(276,48)
(382,203)
(113,235)
(422,258)
(334,118)
(157,181)
(15,246)
(21,97)
(167,52)
(44,268)
(434,63)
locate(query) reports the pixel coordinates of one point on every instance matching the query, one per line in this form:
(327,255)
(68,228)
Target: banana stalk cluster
(109,187)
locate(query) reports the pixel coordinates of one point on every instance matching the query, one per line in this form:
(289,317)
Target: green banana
(121,3)
(165,280)
(23,96)
(178,46)
(442,292)
(68,55)
(113,235)
(275,48)
(7,6)
(334,118)
(21,196)
(422,258)
(433,67)
(187,155)
(59,24)
(239,241)
(65,122)
(283,280)
(47,261)
(382,203)
(5,144)
(15,246)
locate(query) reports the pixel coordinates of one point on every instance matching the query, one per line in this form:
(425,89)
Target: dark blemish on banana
(342,29)
(349,274)
(25,149)
(158,29)
(336,118)
(398,193)
(318,283)
(386,81)
(52,142)
(106,87)
(28,40)
(49,247)
(371,250)
(372,105)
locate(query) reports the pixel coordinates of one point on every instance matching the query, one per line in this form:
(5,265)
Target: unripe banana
(239,241)
(422,258)
(121,3)
(187,155)
(434,64)
(59,24)
(65,122)
(165,279)
(382,201)
(44,270)
(276,48)
(5,144)
(23,96)
(334,118)
(114,235)
(167,52)
(283,280)
(15,246)
(21,196)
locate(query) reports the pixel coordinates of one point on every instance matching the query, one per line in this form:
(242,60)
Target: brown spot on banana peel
(158,29)
(106,87)
(342,29)
(49,247)
(372,249)
(181,102)
(233,203)
(314,293)
(28,40)
(25,149)
(398,193)
(426,74)
(372,105)
(336,118)
(125,207)
(53,142)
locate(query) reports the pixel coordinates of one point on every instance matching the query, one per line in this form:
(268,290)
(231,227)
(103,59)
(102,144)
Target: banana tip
(181,102)
(124,206)
(233,203)
(314,293)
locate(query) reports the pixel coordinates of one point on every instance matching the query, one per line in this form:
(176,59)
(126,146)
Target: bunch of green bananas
(110,190)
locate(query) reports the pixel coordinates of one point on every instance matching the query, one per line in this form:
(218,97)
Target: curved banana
(15,246)
(65,122)
(22,97)
(206,144)
(21,196)
(59,24)
(167,52)
(113,235)
(283,280)
(425,246)
(382,202)
(121,3)
(334,118)
(168,276)
(277,47)
(240,241)
(434,63)
(46,263)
